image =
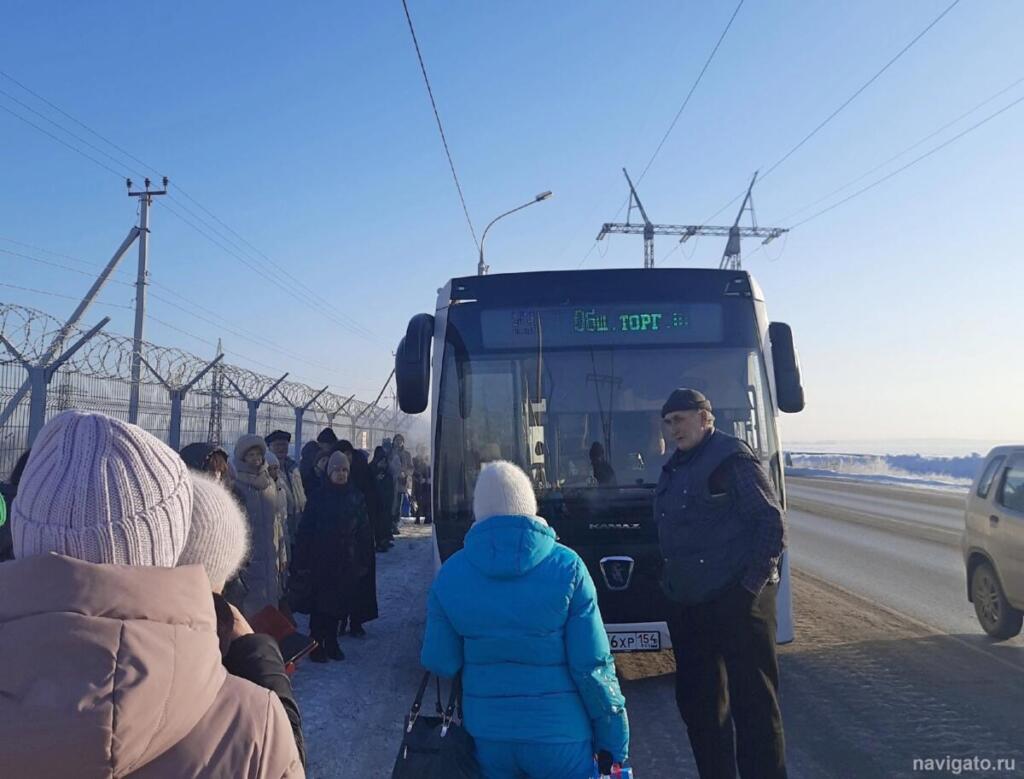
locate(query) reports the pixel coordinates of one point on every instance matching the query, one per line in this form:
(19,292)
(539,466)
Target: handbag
(436,747)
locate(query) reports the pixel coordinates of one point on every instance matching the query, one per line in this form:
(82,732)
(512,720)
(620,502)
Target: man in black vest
(722,535)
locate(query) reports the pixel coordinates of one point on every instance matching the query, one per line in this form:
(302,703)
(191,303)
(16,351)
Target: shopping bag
(436,747)
(406,507)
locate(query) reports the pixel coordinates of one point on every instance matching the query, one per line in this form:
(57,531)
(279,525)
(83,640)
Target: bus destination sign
(602,325)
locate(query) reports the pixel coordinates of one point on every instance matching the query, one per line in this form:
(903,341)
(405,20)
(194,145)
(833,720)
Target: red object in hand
(294,645)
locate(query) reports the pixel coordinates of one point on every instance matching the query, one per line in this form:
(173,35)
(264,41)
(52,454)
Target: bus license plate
(635,641)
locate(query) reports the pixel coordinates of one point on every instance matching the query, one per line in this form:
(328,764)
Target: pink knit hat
(218,539)
(101,490)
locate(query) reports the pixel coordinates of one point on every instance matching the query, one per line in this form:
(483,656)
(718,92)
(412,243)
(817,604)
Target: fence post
(177,395)
(39,376)
(38,381)
(253,404)
(300,413)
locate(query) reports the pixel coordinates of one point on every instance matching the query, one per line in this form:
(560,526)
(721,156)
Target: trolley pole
(145,201)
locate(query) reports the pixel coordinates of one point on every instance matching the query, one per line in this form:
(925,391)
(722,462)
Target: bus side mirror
(412,364)
(788,385)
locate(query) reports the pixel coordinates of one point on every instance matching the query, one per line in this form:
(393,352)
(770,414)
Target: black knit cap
(327,436)
(278,435)
(683,399)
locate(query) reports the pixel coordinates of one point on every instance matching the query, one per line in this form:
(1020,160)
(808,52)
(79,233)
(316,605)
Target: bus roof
(556,287)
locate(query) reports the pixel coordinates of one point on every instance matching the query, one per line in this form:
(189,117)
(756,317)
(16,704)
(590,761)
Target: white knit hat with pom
(103,491)
(502,489)
(218,539)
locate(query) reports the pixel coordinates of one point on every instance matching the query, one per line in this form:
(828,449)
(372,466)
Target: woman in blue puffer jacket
(517,613)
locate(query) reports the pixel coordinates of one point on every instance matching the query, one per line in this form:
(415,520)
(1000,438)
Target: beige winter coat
(114,671)
(257,493)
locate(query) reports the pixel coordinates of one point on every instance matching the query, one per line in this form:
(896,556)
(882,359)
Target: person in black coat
(364,609)
(385,486)
(310,456)
(332,550)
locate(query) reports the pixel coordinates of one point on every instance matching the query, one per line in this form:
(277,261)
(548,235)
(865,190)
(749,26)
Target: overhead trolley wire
(440,127)
(774,166)
(675,120)
(693,88)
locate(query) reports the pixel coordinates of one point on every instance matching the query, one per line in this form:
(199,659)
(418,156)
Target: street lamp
(481,268)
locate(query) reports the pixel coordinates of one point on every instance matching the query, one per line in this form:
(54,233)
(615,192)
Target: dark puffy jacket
(334,546)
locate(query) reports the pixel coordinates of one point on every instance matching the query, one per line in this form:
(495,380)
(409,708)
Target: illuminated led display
(592,325)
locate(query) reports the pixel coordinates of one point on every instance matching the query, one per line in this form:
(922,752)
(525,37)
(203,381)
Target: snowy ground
(353,711)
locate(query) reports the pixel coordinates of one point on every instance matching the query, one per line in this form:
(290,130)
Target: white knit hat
(502,489)
(103,491)
(219,537)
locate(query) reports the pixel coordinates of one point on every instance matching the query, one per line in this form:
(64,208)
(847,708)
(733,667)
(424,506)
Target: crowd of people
(128,650)
(146,569)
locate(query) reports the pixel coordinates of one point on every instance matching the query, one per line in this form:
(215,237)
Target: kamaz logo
(613,526)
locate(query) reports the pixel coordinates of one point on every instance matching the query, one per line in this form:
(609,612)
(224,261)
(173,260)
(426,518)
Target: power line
(61,141)
(440,127)
(64,297)
(679,113)
(60,127)
(913,162)
(324,306)
(689,94)
(24,245)
(324,310)
(61,266)
(214,318)
(864,86)
(80,123)
(271,265)
(843,105)
(266,343)
(910,148)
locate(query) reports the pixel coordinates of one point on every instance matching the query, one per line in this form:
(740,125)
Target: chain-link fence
(224,403)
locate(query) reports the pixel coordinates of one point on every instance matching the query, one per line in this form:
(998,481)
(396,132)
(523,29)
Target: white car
(993,542)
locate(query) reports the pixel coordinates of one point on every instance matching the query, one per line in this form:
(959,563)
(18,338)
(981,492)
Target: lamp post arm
(481,268)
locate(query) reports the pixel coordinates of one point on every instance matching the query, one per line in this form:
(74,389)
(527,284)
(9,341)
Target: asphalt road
(889,664)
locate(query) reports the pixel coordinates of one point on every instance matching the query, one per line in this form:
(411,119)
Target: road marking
(911,619)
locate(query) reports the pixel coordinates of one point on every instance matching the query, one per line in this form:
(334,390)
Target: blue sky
(306,127)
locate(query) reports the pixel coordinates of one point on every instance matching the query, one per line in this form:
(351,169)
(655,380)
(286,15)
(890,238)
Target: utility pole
(145,201)
(731,257)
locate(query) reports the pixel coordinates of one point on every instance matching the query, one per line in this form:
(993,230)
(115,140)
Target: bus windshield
(581,416)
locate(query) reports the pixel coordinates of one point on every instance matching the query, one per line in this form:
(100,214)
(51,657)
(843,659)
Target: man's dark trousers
(726,673)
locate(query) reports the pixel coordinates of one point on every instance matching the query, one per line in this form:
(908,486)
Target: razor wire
(98,376)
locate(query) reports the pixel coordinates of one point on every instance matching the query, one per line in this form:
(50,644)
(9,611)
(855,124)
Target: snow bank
(904,469)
